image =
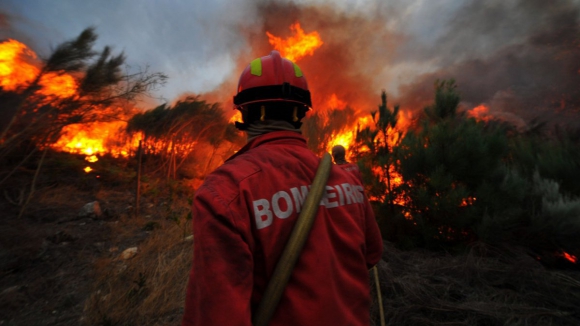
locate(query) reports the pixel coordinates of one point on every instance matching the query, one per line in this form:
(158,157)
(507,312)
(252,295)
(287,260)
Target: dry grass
(148,289)
(488,286)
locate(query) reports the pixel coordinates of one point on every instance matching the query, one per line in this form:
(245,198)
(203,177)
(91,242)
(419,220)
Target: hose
(293,248)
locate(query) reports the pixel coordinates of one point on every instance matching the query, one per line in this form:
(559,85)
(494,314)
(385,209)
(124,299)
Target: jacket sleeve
(220,283)
(374,240)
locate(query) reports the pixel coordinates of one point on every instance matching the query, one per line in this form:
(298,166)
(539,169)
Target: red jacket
(242,216)
(352,168)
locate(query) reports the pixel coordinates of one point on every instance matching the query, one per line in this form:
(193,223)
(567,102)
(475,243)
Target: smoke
(3,20)
(520,58)
(355,46)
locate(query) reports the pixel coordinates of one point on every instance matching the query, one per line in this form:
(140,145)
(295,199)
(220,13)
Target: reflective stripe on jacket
(242,216)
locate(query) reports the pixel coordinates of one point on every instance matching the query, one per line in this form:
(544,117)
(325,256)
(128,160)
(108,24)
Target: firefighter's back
(329,284)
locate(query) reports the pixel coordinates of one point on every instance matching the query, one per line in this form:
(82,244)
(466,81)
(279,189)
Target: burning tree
(447,165)
(375,149)
(321,128)
(465,179)
(173,133)
(73,85)
(70,88)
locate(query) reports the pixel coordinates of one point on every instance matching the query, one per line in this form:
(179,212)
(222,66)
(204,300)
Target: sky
(521,57)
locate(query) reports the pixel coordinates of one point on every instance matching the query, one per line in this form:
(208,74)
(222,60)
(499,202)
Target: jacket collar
(278,137)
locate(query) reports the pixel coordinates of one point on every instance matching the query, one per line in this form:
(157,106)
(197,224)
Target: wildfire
(298,45)
(87,169)
(335,103)
(96,138)
(236,117)
(15,68)
(480,112)
(19,67)
(91,159)
(59,85)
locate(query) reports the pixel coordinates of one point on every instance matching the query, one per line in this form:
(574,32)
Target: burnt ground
(59,268)
(49,257)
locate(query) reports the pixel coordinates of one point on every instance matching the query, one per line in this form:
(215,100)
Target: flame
(15,66)
(236,117)
(298,45)
(480,112)
(91,159)
(19,67)
(58,85)
(87,169)
(96,138)
(335,103)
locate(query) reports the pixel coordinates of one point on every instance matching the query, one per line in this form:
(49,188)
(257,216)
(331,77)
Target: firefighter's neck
(259,128)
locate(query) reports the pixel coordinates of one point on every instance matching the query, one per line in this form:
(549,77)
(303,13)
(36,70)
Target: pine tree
(447,166)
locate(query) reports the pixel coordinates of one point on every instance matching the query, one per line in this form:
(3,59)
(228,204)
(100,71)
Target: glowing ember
(88,169)
(15,66)
(570,258)
(91,159)
(468,201)
(298,45)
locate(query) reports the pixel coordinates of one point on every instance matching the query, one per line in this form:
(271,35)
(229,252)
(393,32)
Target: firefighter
(245,210)
(339,157)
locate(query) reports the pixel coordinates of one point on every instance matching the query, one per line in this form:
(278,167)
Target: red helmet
(272,78)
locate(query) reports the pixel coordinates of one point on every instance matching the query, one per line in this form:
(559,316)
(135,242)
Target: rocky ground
(47,256)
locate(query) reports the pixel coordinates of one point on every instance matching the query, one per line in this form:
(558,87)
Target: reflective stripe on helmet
(256,67)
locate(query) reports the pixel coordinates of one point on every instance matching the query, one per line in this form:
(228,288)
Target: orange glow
(87,169)
(569,257)
(91,159)
(346,138)
(236,117)
(96,138)
(335,103)
(480,112)
(298,45)
(19,67)
(16,67)
(467,201)
(59,85)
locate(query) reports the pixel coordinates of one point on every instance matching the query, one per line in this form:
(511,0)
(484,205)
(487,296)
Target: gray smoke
(520,58)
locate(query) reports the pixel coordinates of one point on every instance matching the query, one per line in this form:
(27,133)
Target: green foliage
(554,158)
(446,101)
(465,180)
(451,167)
(72,56)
